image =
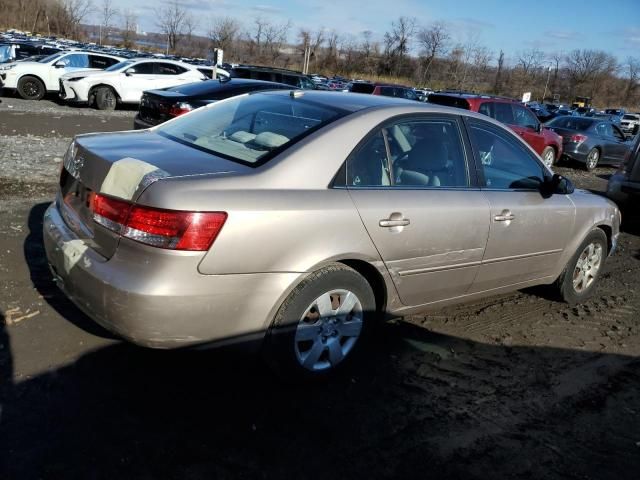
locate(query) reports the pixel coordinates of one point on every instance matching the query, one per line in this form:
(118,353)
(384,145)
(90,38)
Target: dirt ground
(517,386)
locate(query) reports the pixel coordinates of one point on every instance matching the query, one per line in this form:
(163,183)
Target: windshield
(571,123)
(250,129)
(612,111)
(5,53)
(118,66)
(631,117)
(50,58)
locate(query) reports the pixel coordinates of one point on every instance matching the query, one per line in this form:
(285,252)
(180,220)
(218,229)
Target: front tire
(106,98)
(578,280)
(593,157)
(320,324)
(31,88)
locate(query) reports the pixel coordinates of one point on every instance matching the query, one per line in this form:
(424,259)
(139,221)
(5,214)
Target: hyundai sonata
(296,218)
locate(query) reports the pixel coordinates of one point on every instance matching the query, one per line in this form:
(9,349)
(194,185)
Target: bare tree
(171,21)
(530,60)
(434,40)
(223,32)
(129,28)
(108,14)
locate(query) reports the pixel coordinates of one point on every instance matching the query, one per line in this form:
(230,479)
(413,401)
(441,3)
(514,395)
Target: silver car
(295,219)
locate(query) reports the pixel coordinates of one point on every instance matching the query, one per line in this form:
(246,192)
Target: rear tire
(549,156)
(320,325)
(578,280)
(31,88)
(106,98)
(593,157)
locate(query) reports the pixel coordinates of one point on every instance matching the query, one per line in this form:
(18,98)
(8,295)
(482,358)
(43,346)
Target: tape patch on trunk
(129,176)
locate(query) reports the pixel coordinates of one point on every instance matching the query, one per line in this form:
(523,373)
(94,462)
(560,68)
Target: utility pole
(546,84)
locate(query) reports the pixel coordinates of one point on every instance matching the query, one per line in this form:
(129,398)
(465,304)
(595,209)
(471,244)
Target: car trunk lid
(159,106)
(122,165)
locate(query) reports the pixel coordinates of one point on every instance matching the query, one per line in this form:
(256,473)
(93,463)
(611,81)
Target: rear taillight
(577,138)
(178,109)
(175,109)
(172,229)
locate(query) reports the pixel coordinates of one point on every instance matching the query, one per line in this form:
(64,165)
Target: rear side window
(250,129)
(168,69)
(506,164)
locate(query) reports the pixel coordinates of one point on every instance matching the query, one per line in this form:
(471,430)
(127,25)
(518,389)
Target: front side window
(145,68)
(505,163)
(524,118)
(76,60)
(410,153)
(250,129)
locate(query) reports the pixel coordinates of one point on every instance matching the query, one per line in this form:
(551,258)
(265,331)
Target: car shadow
(413,402)
(36,259)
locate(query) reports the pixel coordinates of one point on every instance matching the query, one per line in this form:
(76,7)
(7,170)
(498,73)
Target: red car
(519,118)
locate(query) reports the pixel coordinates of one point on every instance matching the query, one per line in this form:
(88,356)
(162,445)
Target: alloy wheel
(587,267)
(328,330)
(548,158)
(592,159)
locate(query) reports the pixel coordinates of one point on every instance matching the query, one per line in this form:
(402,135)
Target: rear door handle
(396,219)
(394,223)
(505,216)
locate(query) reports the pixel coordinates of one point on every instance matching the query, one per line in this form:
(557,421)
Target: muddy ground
(516,386)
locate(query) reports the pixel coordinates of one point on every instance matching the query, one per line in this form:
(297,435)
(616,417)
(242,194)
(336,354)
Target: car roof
(202,88)
(354,102)
(476,96)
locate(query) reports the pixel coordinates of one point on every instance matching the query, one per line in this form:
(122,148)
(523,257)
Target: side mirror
(557,184)
(59,64)
(130,72)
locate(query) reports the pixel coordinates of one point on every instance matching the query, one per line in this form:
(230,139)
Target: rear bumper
(139,124)
(577,152)
(161,300)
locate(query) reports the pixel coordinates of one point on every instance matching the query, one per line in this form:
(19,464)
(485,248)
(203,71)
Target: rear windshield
(571,123)
(449,101)
(250,129)
(362,88)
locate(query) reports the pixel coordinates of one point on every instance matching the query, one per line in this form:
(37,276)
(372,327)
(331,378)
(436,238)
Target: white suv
(33,80)
(125,81)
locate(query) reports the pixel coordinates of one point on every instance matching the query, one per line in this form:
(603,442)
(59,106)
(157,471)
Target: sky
(510,25)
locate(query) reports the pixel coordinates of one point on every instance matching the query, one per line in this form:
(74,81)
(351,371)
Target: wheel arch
(372,275)
(608,231)
(91,96)
(31,75)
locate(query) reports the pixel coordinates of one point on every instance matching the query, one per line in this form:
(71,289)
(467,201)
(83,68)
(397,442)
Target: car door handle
(394,222)
(505,216)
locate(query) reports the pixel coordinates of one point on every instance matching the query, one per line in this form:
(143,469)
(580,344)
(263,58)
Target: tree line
(421,55)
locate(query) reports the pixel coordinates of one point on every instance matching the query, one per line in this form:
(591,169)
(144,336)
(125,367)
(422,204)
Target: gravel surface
(517,386)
